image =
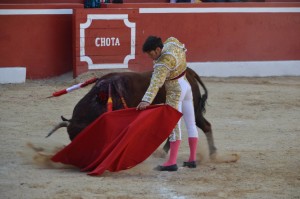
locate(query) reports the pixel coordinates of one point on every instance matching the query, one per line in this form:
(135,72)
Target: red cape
(119,139)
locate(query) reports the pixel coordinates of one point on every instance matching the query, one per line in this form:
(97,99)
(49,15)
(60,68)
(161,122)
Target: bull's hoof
(191,164)
(225,158)
(173,167)
(213,156)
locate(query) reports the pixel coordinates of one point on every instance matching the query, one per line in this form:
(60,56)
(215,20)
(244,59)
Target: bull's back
(135,86)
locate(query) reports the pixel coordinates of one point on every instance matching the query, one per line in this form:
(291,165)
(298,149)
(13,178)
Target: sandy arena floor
(256,118)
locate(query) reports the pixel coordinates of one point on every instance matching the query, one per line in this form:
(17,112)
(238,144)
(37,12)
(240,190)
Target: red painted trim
(281,1)
(204,5)
(41,1)
(42,6)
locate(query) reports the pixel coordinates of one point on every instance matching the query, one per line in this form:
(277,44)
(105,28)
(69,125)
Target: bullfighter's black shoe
(172,167)
(191,164)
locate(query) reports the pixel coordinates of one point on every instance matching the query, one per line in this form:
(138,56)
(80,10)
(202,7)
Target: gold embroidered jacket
(169,65)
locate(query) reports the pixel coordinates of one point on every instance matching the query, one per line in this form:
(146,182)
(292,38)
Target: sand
(256,118)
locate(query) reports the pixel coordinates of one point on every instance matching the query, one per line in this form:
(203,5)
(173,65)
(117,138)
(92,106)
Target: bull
(131,86)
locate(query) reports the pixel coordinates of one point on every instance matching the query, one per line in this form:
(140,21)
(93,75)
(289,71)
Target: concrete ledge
(12,75)
(246,69)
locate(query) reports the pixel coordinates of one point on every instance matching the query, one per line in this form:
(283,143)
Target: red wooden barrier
(224,33)
(40,36)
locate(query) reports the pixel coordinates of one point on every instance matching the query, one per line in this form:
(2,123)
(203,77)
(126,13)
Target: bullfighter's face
(154,54)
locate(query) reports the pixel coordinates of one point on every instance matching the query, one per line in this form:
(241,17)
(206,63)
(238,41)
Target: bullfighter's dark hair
(151,43)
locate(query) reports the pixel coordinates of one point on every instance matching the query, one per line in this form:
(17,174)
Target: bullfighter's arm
(157,80)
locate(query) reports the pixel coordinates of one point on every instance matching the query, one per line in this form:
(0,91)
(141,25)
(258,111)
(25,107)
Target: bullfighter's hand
(142,105)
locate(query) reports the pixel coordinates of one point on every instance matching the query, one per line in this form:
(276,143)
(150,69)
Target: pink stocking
(193,141)
(174,146)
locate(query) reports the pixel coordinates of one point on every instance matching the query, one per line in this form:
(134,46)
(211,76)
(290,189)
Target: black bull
(132,87)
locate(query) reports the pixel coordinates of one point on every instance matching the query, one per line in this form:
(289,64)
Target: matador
(169,59)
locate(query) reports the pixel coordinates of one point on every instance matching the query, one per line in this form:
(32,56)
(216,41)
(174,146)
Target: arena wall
(223,39)
(37,37)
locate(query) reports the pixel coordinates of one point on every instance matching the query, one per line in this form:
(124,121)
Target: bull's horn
(64,119)
(61,124)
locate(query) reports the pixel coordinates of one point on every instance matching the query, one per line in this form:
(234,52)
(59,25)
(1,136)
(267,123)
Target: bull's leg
(166,147)
(205,126)
(210,141)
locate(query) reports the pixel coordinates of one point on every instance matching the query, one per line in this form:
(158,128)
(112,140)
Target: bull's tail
(205,95)
(59,125)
